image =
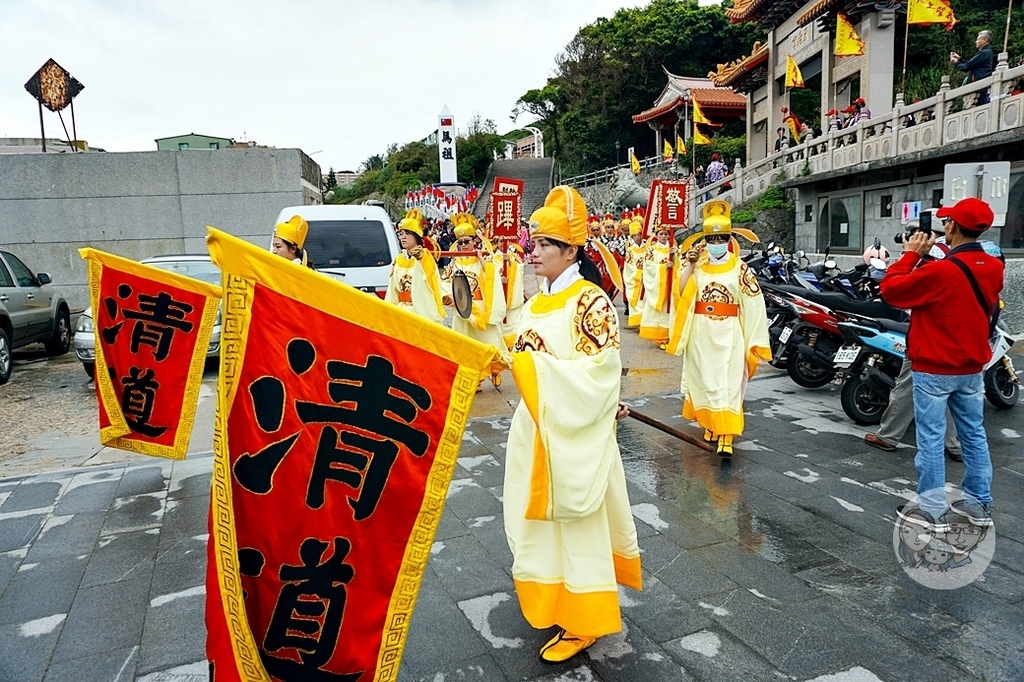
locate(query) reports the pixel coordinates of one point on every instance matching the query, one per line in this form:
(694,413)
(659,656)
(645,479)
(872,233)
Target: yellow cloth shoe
(709,436)
(496,379)
(663,346)
(564,646)
(480,386)
(725,446)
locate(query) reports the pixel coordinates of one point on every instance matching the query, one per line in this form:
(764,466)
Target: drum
(462,295)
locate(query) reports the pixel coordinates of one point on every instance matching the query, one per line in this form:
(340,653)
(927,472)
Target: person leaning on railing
(980,65)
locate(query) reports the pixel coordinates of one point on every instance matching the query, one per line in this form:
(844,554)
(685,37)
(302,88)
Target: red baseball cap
(971,213)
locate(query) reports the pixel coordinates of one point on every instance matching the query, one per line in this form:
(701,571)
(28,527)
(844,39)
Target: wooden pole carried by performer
(661,426)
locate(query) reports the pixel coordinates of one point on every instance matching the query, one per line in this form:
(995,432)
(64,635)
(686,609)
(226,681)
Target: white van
(353,244)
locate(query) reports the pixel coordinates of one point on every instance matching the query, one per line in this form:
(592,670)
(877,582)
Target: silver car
(30,312)
(196,266)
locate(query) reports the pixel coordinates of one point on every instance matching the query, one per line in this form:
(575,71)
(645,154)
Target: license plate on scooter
(845,356)
(784,336)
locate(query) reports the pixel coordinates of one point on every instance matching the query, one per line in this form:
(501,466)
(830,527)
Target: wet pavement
(778,564)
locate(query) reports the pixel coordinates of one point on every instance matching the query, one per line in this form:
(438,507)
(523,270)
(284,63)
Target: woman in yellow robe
(721,330)
(415,284)
(657,278)
(483,270)
(633,273)
(567,514)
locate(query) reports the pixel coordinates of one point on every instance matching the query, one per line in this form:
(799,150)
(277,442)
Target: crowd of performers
(567,514)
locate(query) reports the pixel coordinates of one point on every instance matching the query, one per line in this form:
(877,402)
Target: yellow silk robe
(720,353)
(484,324)
(514,299)
(567,515)
(633,280)
(654,322)
(415,285)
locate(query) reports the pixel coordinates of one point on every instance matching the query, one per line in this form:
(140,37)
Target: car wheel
(90,369)
(6,363)
(60,342)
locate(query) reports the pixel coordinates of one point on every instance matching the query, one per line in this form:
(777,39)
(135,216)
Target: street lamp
(617,147)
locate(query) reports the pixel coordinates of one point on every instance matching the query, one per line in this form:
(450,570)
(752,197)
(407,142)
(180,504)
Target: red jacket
(948,329)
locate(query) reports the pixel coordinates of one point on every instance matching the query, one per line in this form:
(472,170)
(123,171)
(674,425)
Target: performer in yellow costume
(658,276)
(515,265)
(633,273)
(414,283)
(567,515)
(720,329)
(483,271)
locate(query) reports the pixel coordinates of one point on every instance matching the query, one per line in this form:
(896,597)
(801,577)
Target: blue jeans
(963,394)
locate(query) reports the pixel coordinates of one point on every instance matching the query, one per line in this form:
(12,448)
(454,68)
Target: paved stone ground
(776,565)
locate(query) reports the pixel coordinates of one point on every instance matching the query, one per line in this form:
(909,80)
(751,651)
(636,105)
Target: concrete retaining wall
(139,204)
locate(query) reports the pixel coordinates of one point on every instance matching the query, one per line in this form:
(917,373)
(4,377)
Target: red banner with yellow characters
(339,421)
(152,330)
(666,207)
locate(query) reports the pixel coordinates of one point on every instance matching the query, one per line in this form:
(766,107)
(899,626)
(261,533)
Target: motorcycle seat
(843,303)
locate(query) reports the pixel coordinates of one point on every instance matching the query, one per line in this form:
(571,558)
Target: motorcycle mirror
(877,263)
(828,249)
(877,244)
(829,264)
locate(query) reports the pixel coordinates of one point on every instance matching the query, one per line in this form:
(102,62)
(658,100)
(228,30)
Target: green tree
(613,69)
(332,181)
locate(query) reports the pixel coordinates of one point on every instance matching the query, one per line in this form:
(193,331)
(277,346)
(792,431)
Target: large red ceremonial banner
(666,206)
(339,424)
(152,330)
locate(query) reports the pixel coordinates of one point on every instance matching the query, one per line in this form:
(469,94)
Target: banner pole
(1006,37)
(906,45)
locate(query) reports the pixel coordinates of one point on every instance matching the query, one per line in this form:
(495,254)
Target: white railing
(652,164)
(952,116)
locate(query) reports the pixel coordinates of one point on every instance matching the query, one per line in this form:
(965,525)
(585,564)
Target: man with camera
(900,410)
(953,304)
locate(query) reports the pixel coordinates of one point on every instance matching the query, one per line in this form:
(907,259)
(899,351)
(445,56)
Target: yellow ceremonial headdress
(563,217)
(412,222)
(465,225)
(636,227)
(294,231)
(717,218)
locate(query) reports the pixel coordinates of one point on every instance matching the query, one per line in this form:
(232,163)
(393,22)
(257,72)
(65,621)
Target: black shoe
(955,456)
(920,518)
(976,512)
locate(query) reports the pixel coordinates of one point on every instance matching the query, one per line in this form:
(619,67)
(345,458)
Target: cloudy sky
(339,79)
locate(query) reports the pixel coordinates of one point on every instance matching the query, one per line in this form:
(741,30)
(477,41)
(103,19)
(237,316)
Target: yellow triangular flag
(698,115)
(680,145)
(634,163)
(794,79)
(668,152)
(930,12)
(699,137)
(848,43)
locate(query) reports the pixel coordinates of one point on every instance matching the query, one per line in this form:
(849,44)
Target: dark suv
(30,312)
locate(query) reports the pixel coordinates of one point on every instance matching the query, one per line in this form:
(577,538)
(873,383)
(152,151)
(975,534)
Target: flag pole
(906,40)
(1006,37)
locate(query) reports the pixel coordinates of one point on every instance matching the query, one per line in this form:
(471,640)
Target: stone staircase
(537,176)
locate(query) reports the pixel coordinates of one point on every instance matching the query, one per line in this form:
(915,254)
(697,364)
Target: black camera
(924,225)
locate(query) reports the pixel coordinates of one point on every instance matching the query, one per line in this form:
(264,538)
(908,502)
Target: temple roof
(744,74)
(708,95)
(827,9)
(767,13)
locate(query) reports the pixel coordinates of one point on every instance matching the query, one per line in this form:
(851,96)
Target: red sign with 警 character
(152,330)
(332,462)
(666,206)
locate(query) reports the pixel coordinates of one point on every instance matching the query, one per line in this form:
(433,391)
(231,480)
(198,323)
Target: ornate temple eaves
(768,14)
(745,74)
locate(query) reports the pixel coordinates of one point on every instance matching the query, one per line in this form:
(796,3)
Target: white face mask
(717,250)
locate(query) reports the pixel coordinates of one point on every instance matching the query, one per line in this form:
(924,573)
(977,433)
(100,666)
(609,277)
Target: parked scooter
(868,365)
(870,360)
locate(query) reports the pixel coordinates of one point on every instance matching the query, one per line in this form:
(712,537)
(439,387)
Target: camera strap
(992,317)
